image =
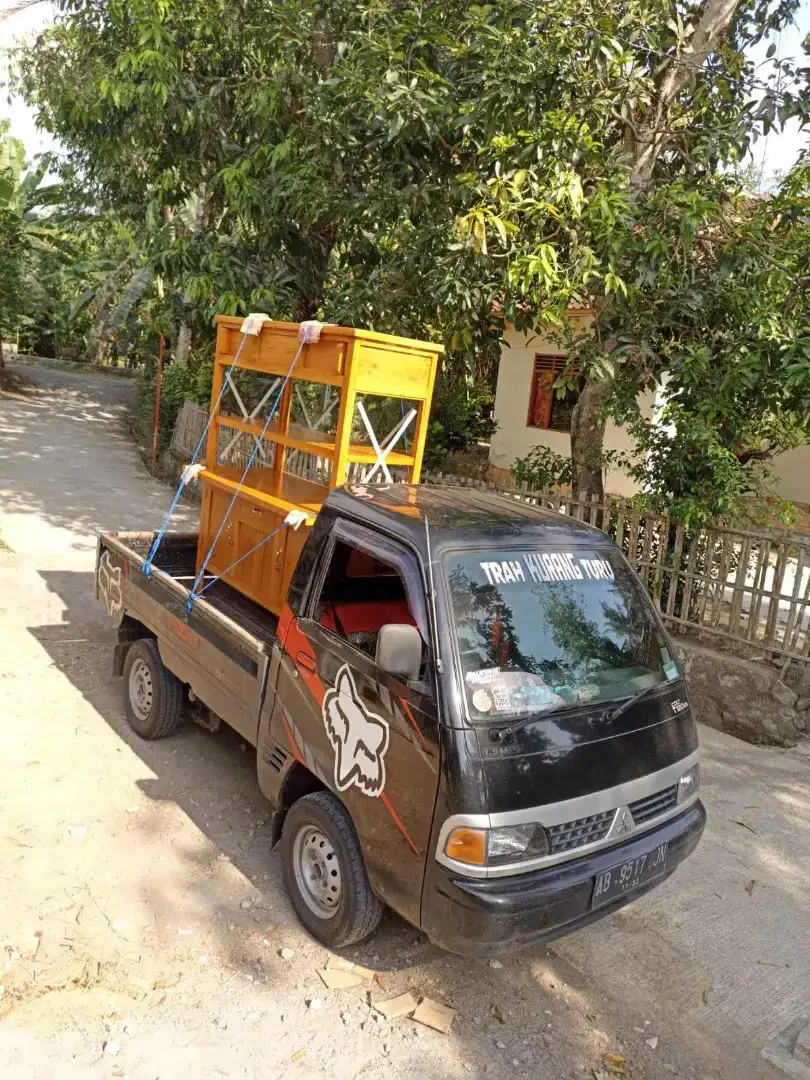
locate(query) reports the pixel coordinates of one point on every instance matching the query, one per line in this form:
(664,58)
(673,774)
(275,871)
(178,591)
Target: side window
(361,593)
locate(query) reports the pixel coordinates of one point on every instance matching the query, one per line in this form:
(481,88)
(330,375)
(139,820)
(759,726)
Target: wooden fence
(747,586)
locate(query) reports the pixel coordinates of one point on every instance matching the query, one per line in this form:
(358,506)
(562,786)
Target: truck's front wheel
(154,697)
(324,871)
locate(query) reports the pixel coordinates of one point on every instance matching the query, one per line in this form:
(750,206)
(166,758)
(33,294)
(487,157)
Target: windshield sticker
(482,701)
(546,567)
(500,698)
(485,675)
(358,736)
(588,692)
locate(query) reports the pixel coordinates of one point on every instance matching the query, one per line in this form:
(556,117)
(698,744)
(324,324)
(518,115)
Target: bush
(461,415)
(542,468)
(180,383)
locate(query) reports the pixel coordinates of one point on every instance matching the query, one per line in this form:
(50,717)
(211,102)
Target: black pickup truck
(468,710)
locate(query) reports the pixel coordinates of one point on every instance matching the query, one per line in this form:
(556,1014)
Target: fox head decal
(109,584)
(359,737)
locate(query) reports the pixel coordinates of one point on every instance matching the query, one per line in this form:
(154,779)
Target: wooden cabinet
(240,512)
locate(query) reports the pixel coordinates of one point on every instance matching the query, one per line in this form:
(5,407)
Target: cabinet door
(261,574)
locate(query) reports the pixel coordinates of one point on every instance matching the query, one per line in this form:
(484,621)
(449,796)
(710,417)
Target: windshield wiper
(631,701)
(498,734)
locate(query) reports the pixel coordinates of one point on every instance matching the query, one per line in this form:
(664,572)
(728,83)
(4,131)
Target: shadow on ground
(67,458)
(211,780)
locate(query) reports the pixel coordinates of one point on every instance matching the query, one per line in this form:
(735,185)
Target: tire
(324,871)
(154,697)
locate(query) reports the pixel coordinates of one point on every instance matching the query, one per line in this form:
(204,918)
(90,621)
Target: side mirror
(399,651)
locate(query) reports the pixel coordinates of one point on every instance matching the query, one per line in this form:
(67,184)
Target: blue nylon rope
(147,566)
(271,411)
(241,558)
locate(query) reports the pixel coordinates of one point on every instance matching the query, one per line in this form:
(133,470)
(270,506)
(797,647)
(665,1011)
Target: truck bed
(221,649)
(177,556)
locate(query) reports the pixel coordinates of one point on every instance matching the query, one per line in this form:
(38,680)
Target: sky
(771,155)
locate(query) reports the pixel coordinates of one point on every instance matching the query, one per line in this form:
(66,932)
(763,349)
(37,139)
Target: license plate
(630,875)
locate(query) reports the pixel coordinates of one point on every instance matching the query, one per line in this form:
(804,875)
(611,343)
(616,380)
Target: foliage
(725,327)
(13,247)
(461,415)
(439,167)
(691,471)
(180,383)
(542,468)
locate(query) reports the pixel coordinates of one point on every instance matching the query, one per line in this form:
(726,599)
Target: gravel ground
(144,930)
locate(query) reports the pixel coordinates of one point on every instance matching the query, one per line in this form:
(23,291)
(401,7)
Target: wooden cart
(356,363)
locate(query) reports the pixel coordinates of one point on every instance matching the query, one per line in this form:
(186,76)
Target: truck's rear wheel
(324,871)
(154,697)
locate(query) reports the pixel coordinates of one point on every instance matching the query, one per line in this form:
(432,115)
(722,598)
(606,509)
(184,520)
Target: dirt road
(144,929)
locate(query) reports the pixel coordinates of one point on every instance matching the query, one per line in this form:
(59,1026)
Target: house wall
(792,472)
(514,438)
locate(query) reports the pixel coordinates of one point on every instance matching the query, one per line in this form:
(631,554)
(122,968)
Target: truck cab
(491,694)
(468,710)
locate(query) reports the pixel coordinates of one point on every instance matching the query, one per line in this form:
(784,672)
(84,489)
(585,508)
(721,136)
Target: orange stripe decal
(296,641)
(407,710)
(387,804)
(295,749)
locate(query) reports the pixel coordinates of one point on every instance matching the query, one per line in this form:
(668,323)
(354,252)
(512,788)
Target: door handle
(305,660)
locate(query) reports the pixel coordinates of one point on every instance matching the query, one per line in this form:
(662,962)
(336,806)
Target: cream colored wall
(514,438)
(792,472)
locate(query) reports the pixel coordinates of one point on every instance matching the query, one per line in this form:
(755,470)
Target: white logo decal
(679,706)
(109,583)
(358,737)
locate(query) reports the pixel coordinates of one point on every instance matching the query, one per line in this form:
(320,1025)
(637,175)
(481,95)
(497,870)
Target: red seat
(366,617)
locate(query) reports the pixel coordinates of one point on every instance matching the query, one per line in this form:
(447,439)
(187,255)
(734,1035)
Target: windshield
(540,631)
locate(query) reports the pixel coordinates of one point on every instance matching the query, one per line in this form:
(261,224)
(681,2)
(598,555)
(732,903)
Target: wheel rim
(141,690)
(317,871)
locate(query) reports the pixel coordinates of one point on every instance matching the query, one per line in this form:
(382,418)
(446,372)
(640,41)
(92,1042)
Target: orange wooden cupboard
(357,364)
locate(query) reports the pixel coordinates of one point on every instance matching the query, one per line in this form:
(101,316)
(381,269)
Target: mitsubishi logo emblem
(623,823)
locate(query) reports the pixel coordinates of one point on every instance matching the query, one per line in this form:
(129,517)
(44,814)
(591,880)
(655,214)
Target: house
(529,413)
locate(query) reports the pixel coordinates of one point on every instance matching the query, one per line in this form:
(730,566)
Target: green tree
(12,246)
(433,168)
(28,232)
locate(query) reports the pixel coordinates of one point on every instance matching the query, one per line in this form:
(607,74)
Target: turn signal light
(467,846)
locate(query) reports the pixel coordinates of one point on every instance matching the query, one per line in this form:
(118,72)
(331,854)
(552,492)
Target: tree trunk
(183,342)
(183,348)
(2,365)
(587,435)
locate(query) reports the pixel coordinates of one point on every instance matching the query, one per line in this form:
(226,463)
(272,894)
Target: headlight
(496,847)
(689,784)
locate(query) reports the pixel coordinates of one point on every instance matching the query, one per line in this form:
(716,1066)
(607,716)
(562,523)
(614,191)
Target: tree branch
(715,20)
(650,140)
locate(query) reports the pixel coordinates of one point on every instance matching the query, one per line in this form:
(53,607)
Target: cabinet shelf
(309,441)
(274,491)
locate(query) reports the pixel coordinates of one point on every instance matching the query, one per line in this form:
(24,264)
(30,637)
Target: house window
(546,408)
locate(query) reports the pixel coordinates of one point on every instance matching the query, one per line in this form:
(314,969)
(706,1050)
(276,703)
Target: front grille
(650,807)
(576,834)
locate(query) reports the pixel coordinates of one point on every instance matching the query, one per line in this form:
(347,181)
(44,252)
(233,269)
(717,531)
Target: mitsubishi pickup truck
(468,710)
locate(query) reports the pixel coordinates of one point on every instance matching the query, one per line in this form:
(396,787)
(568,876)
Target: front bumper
(485,917)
